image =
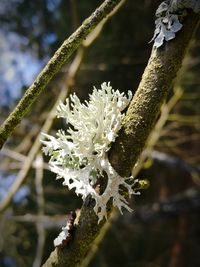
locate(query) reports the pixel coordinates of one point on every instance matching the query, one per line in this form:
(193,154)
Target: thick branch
(52,67)
(144,109)
(158,77)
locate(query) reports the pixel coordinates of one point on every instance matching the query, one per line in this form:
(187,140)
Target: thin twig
(19,157)
(40,201)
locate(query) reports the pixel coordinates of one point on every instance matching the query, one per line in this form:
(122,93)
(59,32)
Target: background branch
(41,206)
(157,131)
(67,86)
(52,67)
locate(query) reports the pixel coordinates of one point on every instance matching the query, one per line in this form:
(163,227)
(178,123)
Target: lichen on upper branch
(169,17)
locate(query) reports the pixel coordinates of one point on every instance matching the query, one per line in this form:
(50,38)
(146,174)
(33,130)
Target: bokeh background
(164,229)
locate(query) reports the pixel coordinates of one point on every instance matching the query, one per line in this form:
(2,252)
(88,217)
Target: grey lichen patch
(169,19)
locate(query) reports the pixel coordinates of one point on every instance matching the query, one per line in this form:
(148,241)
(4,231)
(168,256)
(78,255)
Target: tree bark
(144,109)
(141,116)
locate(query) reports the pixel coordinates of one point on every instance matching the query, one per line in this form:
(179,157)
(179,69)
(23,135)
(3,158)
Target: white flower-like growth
(80,154)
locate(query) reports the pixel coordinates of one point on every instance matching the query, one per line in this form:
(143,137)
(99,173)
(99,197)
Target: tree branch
(141,116)
(144,109)
(66,88)
(52,67)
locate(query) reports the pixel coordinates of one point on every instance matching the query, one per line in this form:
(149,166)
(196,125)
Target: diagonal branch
(141,116)
(52,67)
(68,83)
(144,109)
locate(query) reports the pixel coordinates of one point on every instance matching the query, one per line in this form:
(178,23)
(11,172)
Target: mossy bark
(156,82)
(144,109)
(52,67)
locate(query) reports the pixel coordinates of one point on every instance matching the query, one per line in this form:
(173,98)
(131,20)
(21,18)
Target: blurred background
(164,229)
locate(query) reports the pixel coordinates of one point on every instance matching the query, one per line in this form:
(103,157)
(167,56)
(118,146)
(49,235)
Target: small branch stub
(67,232)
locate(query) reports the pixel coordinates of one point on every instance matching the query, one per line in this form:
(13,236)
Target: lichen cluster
(79,155)
(167,24)
(168,17)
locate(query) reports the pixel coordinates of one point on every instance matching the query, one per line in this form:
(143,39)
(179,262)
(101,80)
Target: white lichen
(66,234)
(63,235)
(80,154)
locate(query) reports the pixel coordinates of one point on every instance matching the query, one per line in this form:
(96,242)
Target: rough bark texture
(52,67)
(157,79)
(144,109)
